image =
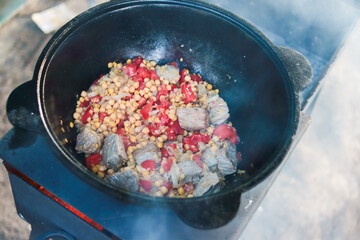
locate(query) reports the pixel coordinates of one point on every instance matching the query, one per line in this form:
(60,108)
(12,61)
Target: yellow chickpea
(137,97)
(76,115)
(116,105)
(111,91)
(97,124)
(111,102)
(79,110)
(132,138)
(154,88)
(106,120)
(145,130)
(104,85)
(138,123)
(112,124)
(132,119)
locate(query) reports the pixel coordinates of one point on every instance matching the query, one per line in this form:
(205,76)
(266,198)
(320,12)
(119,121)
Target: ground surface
(317,194)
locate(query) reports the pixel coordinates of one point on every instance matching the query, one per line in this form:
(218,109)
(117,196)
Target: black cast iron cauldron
(259,81)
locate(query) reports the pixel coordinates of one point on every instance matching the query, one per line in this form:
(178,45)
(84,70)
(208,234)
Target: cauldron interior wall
(232,61)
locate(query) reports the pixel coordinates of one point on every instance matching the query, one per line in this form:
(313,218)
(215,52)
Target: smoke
(318,26)
(317,29)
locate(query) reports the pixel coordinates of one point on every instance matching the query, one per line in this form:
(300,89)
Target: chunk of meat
(191,171)
(225,165)
(221,160)
(88,141)
(209,157)
(193,118)
(114,153)
(231,152)
(206,182)
(201,90)
(168,72)
(174,175)
(218,109)
(148,152)
(128,180)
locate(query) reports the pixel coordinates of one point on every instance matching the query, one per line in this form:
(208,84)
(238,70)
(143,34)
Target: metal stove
(45,196)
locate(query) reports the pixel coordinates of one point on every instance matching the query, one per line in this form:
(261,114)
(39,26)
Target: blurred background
(317,193)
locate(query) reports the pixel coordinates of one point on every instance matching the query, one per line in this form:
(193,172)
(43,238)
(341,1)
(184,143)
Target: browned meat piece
(88,141)
(193,118)
(225,165)
(221,160)
(114,153)
(127,180)
(218,109)
(174,175)
(205,184)
(149,152)
(191,171)
(209,157)
(168,72)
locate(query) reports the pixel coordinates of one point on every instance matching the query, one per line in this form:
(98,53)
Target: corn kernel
(101,174)
(163,189)
(95,168)
(132,138)
(157,183)
(102,168)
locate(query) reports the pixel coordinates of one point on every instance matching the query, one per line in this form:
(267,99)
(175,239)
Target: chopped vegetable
(143,72)
(88,113)
(166,164)
(188,92)
(225,131)
(148,164)
(92,160)
(146,185)
(131,69)
(137,61)
(146,109)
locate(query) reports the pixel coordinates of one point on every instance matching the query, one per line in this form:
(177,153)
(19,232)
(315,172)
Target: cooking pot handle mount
(209,212)
(297,65)
(22,109)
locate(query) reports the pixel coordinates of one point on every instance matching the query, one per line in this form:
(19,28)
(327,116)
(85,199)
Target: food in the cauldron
(156,129)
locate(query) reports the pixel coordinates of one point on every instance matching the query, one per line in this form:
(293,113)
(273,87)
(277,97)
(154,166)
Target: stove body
(59,205)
